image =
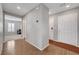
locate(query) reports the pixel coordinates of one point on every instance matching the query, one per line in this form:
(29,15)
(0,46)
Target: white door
(51,27)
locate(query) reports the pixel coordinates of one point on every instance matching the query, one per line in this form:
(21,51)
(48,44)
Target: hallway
(39,29)
(21,47)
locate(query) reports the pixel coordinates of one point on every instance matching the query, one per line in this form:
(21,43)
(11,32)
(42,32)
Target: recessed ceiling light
(18,7)
(67,6)
(37,8)
(50,13)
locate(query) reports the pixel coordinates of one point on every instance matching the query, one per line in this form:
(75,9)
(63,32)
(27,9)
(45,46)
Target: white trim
(36,46)
(12,18)
(45,47)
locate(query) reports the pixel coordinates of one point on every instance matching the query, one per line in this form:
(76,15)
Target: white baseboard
(37,47)
(44,47)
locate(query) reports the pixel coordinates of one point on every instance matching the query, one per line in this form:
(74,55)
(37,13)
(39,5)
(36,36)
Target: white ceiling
(26,7)
(12,8)
(59,7)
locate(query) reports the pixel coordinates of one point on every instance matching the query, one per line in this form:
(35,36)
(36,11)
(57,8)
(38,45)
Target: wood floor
(21,47)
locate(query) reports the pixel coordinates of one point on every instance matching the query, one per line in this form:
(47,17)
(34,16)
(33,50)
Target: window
(10,27)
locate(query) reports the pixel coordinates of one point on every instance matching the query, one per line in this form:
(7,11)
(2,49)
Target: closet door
(67,28)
